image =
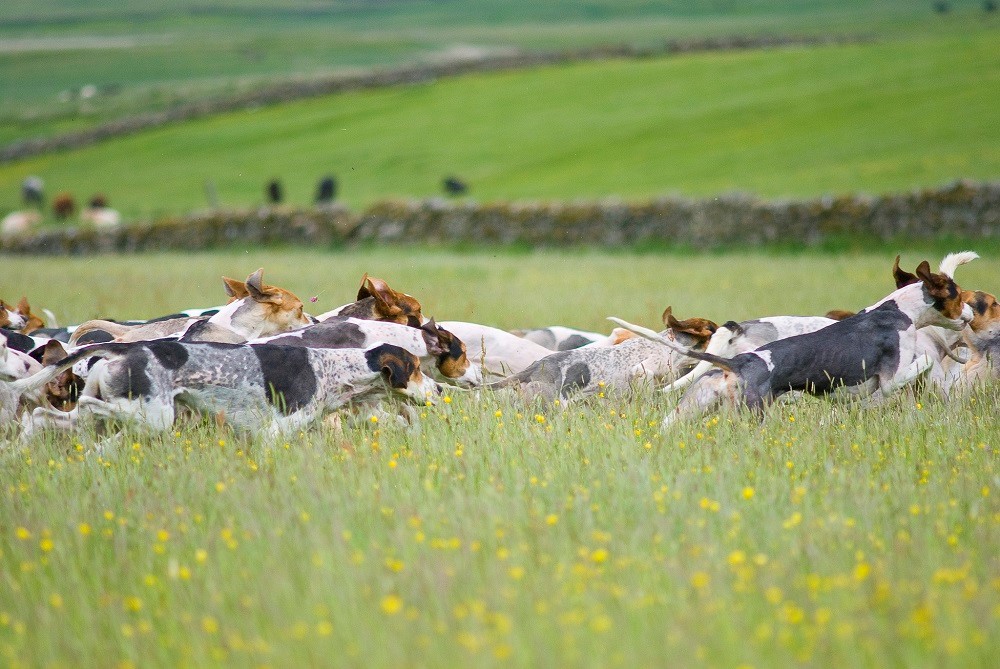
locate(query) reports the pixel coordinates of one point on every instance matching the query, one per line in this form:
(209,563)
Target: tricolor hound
(873,350)
(274,388)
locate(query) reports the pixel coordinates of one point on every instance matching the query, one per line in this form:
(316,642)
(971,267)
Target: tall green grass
(492,532)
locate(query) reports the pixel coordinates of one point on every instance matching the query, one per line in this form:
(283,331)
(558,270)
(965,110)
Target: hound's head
(390,305)
(9,318)
(944,297)
(19,318)
(450,352)
(984,328)
(274,310)
(698,330)
(400,370)
(61,392)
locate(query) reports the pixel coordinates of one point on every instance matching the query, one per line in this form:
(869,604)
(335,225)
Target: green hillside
(783,122)
(140,55)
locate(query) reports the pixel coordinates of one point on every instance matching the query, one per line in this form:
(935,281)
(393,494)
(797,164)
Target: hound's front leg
(906,375)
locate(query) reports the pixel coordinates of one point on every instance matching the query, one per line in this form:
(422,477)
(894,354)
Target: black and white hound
(874,350)
(264,387)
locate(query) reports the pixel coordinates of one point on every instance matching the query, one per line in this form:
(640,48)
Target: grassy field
(146,55)
(494,533)
(788,122)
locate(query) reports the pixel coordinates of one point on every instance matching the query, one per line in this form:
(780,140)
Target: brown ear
(702,328)
(435,338)
(258,291)
(23,307)
(902,277)
(398,367)
(937,285)
(668,314)
(235,288)
(385,297)
(53,352)
(839,314)
(364,291)
(924,272)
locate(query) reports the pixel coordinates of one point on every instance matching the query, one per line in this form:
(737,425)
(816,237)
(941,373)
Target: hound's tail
(952,261)
(724,363)
(50,372)
(112,328)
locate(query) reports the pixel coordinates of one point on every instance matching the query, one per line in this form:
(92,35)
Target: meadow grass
(492,532)
(784,122)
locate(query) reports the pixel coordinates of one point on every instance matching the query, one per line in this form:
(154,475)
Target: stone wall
(964,209)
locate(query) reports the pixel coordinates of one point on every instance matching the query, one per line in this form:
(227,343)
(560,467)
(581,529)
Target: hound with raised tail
(873,350)
(589,369)
(277,389)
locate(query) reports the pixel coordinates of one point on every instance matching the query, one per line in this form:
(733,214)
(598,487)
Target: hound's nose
(967,314)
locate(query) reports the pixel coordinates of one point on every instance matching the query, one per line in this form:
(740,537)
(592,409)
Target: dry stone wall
(964,209)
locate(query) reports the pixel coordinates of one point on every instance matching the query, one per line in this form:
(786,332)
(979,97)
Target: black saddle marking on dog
(337,334)
(572,342)
(95,337)
(135,379)
(18,341)
(60,334)
(195,329)
(170,354)
(288,376)
(577,376)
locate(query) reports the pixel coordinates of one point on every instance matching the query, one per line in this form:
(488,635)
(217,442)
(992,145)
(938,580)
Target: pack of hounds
(261,364)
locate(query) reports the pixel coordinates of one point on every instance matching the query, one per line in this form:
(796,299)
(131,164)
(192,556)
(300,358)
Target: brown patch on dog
(902,277)
(4,314)
(32,322)
(700,328)
(618,335)
(841,314)
(63,391)
(946,293)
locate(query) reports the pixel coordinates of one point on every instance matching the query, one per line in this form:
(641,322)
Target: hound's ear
(734,327)
(902,277)
(938,285)
(395,364)
(434,338)
(23,307)
(235,288)
(839,314)
(53,352)
(385,298)
(702,328)
(377,288)
(260,292)
(364,291)
(668,314)
(924,272)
